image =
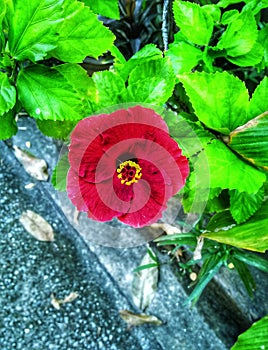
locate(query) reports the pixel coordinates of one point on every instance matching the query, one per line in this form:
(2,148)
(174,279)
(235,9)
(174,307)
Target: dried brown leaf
(56,303)
(35,167)
(37,226)
(132,319)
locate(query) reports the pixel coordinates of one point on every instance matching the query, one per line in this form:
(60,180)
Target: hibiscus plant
(186,115)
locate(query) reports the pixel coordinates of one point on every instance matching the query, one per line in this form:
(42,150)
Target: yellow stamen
(129,172)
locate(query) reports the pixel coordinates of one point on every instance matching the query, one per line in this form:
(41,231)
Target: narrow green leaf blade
(47,95)
(223,110)
(240,35)
(252,235)
(151,82)
(7,94)
(8,125)
(195,23)
(209,269)
(255,338)
(245,276)
(251,141)
(33,28)
(252,259)
(81,34)
(243,205)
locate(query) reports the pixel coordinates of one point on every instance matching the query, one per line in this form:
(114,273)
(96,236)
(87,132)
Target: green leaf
(223,110)
(252,259)
(147,53)
(229,16)
(225,3)
(183,56)
(208,270)
(217,204)
(253,57)
(263,40)
(81,34)
(47,95)
(240,35)
(151,82)
(220,220)
(259,102)
(33,28)
(110,87)
(213,11)
(144,283)
(60,172)
(7,94)
(57,129)
(225,170)
(243,205)
(255,338)
(8,126)
(191,136)
(2,12)
(177,239)
(77,77)
(104,8)
(202,200)
(251,141)
(252,235)
(255,6)
(195,23)
(245,276)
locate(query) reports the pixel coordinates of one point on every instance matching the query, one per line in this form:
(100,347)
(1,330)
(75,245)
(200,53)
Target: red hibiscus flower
(124,165)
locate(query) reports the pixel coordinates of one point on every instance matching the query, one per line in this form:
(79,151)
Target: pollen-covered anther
(129,172)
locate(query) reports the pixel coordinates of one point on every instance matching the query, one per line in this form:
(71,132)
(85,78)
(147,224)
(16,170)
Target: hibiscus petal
(148,214)
(74,192)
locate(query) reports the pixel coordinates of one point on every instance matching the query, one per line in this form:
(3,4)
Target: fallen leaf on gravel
(134,320)
(29,186)
(56,303)
(169,229)
(37,226)
(35,167)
